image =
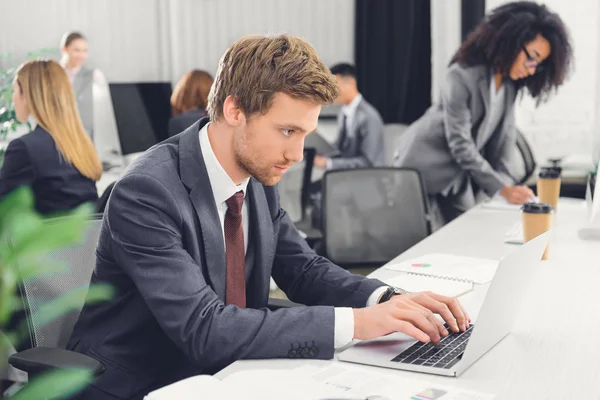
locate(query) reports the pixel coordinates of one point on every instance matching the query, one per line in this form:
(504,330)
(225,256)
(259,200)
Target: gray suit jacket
(450,143)
(161,248)
(363,146)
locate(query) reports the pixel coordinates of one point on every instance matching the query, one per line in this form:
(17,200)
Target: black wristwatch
(390,292)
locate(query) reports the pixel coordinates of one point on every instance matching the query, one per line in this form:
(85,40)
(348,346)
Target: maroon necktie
(235,286)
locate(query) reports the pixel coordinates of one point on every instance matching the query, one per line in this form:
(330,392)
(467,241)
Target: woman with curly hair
(463,143)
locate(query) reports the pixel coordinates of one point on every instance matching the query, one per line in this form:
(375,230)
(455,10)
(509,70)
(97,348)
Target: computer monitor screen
(142,112)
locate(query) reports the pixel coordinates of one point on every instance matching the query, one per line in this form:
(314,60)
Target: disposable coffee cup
(548,186)
(537,219)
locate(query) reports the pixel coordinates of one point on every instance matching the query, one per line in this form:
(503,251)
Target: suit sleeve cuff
(329,164)
(372,300)
(344,327)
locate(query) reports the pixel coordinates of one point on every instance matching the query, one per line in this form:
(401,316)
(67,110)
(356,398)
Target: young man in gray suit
(360,133)
(193,232)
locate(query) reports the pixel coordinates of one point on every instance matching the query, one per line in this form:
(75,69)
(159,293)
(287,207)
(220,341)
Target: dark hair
(69,37)
(191,92)
(344,69)
(500,37)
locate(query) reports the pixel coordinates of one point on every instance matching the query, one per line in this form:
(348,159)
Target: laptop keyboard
(445,354)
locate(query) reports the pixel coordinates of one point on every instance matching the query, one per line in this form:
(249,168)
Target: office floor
(278,293)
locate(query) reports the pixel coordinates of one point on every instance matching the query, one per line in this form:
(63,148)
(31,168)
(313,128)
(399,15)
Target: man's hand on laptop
(412,314)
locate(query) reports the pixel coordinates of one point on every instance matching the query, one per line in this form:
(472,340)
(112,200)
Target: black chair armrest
(276,304)
(41,359)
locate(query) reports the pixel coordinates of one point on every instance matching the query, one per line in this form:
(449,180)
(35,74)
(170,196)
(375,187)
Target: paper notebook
(255,384)
(422,283)
(319,381)
(450,267)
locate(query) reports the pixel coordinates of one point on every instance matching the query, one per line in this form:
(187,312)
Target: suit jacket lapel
(195,178)
(263,242)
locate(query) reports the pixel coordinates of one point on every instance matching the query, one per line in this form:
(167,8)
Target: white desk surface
(554,351)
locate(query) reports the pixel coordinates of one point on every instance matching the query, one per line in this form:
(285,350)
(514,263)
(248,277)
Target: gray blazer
(450,141)
(161,248)
(181,122)
(363,146)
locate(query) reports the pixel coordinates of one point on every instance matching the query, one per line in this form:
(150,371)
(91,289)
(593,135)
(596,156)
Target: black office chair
(528,159)
(371,215)
(48,339)
(103,200)
(294,192)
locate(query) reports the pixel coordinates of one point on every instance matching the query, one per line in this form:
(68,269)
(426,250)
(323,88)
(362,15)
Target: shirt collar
(222,185)
(350,109)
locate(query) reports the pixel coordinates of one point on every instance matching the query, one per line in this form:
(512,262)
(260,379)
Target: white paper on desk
(422,283)
(255,384)
(355,382)
(448,266)
(500,203)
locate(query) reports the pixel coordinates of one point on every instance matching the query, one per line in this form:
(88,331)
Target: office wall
(154,40)
(570,122)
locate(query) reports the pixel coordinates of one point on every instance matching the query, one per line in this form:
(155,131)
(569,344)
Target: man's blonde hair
(255,68)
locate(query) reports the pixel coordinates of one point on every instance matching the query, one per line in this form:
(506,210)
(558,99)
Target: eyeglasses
(532,62)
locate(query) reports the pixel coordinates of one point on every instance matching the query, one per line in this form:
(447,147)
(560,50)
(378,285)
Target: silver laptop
(456,352)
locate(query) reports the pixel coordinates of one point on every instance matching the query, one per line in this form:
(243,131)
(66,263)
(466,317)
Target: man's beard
(263,173)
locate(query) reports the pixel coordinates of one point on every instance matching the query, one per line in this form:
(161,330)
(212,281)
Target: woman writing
(462,144)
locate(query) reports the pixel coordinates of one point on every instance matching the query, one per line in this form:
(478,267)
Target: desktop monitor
(142,112)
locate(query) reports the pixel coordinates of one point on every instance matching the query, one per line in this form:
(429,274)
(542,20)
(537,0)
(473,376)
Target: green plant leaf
(35,269)
(56,384)
(33,236)
(18,200)
(8,284)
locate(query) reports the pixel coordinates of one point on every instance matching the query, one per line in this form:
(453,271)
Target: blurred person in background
(189,100)
(463,144)
(360,127)
(57,159)
(93,98)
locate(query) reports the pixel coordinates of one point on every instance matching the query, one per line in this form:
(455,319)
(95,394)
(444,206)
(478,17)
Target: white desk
(554,353)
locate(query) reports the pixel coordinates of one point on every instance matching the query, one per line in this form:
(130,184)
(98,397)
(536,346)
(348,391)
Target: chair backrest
(526,162)
(294,186)
(372,215)
(321,146)
(80,260)
(103,200)
(391,134)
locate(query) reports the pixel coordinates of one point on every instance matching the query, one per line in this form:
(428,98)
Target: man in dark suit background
(193,231)
(360,127)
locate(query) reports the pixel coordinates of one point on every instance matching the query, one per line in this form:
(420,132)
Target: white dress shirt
(223,188)
(222,185)
(349,111)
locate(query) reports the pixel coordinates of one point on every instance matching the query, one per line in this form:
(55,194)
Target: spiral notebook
(450,267)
